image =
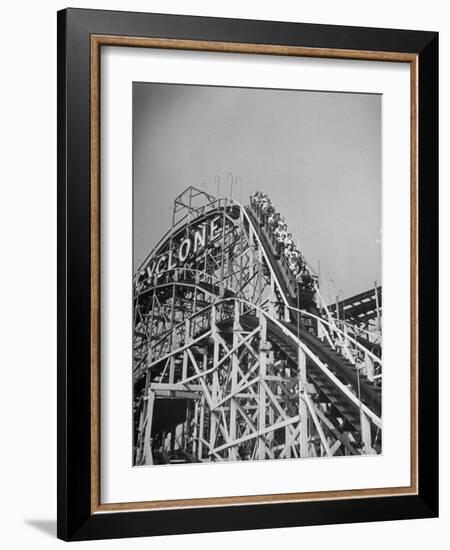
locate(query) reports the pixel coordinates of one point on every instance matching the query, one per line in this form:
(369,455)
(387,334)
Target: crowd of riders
(276,227)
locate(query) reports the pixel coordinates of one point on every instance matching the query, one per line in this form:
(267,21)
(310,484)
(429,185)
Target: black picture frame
(76,521)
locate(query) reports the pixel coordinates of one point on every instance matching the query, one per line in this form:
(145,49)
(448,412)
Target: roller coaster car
(309,324)
(305,299)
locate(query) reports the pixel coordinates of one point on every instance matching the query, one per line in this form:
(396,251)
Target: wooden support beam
(259,433)
(302,404)
(147,454)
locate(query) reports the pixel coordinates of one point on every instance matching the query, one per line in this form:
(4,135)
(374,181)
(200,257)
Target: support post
(202,412)
(234,364)
(148,457)
(262,390)
(303,407)
(366,437)
(187,339)
(377,302)
(272,298)
(214,389)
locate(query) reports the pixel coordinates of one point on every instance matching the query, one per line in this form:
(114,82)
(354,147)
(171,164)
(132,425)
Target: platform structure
(234,359)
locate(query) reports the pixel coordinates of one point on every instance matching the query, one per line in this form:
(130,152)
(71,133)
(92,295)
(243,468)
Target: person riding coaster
(284,244)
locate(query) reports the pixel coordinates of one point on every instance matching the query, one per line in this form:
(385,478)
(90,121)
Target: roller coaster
(235,359)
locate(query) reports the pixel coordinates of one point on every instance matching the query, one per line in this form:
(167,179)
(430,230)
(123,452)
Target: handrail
(355,328)
(358,344)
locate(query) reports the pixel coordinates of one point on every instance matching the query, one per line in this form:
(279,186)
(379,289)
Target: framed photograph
(247,253)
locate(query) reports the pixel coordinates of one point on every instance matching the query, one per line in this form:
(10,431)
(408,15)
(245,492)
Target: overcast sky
(316,154)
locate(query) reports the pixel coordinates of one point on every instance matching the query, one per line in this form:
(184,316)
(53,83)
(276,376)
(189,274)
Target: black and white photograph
(222,222)
(257,274)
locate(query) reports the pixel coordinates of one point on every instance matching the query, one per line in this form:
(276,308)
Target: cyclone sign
(179,252)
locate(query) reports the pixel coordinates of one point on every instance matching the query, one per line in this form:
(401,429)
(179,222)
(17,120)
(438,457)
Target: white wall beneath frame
(28,276)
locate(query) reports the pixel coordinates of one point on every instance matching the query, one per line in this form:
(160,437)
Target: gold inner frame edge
(97,41)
